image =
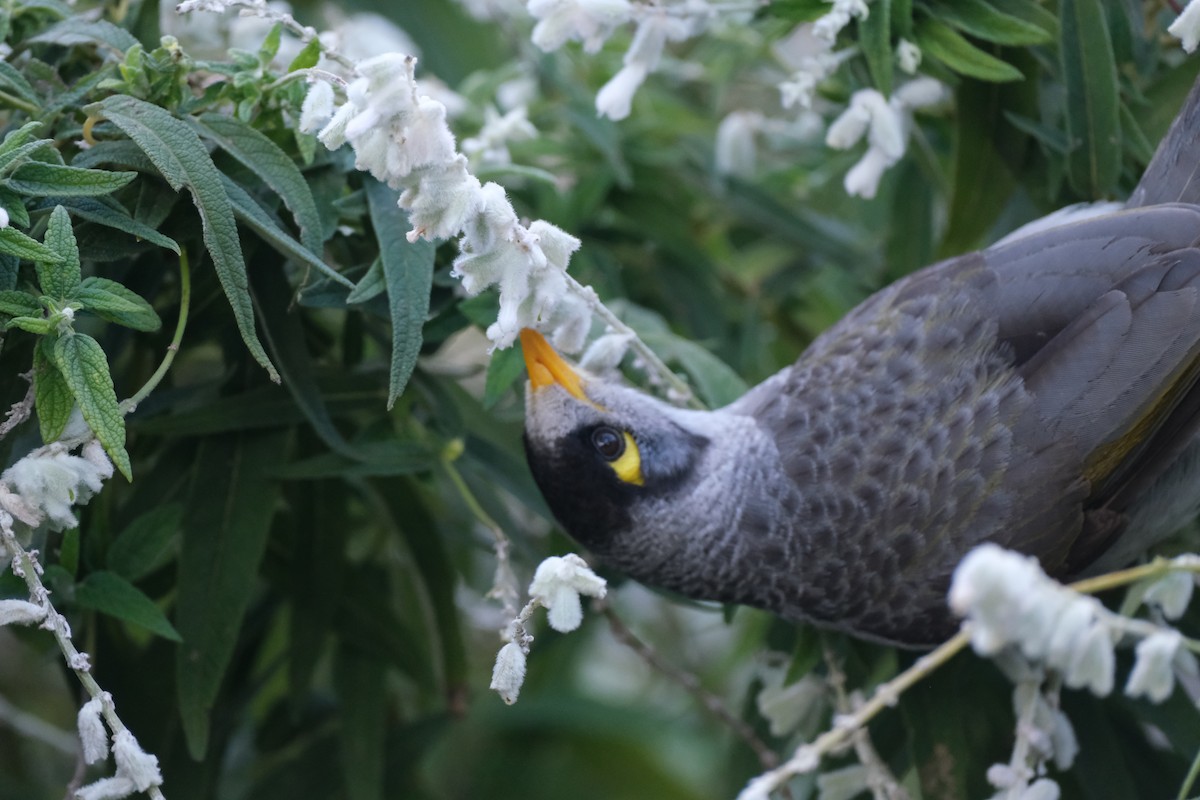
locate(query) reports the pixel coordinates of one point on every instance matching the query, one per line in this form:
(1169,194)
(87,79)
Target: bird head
(616,466)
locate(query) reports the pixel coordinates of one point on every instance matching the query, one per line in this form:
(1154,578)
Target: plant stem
(185,301)
(16,102)
(1190,780)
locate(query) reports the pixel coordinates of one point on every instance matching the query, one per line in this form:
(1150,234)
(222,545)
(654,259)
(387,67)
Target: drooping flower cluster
(886,124)
(1010,602)
(49,481)
(402,139)
(557,585)
(1186,27)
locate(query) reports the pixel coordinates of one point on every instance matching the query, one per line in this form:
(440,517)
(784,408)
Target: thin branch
(185,301)
(711,702)
(20,410)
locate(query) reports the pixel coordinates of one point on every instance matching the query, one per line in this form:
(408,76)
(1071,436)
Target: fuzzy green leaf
(59,278)
(273,167)
(984,21)
(947,45)
(15,303)
(503,371)
(370,285)
(52,397)
(12,81)
(875,39)
(1093,99)
(111,301)
(106,212)
(179,155)
(225,532)
(111,594)
(15,243)
(77,30)
(408,269)
(85,368)
(308,56)
(39,179)
(38,325)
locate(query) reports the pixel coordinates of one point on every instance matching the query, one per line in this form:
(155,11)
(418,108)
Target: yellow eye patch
(628,465)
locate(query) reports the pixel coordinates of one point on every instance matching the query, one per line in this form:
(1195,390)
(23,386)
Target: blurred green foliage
(288,600)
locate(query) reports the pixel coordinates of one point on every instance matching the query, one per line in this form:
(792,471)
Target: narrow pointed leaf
(408,270)
(16,303)
(77,30)
(52,397)
(111,594)
(111,301)
(947,45)
(145,544)
(981,19)
(15,243)
(14,82)
(111,215)
(85,368)
(39,179)
(370,285)
(225,532)
(59,278)
(360,682)
(273,166)
(177,152)
(1093,96)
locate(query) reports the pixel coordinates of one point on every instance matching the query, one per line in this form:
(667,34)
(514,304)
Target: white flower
(1186,27)
(569,324)
(3,217)
(441,200)
(1171,593)
(92,733)
(52,480)
(787,707)
(587,21)
(1153,674)
(605,354)
(317,107)
(135,763)
(112,788)
(558,583)
(735,152)
(509,673)
(1094,663)
(1041,789)
(844,783)
(862,180)
(491,144)
(555,243)
(21,612)
(615,98)
(908,56)
(830,25)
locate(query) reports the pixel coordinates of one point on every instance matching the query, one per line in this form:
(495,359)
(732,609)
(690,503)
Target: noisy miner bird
(1041,394)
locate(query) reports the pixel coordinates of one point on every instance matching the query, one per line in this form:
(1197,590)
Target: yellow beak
(547,367)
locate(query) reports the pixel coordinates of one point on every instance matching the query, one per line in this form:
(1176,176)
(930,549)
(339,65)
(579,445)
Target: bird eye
(608,442)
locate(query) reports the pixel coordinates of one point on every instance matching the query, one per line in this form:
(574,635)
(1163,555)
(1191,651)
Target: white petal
(509,673)
(21,612)
(135,763)
(1171,593)
(317,107)
(615,99)
(1186,27)
(1153,673)
(92,733)
(563,609)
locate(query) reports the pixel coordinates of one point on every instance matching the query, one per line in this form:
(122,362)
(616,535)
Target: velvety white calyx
(588,21)
(135,763)
(828,26)
(557,585)
(490,145)
(92,733)
(52,480)
(509,672)
(21,612)
(788,708)
(654,30)
(1153,674)
(1171,593)
(317,107)
(908,56)
(1186,27)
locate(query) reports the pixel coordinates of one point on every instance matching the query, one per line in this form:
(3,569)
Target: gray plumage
(1040,394)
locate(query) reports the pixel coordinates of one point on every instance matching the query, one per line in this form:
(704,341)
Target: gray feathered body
(1041,394)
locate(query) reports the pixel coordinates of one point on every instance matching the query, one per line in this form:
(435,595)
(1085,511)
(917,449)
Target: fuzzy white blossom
(490,145)
(558,583)
(51,480)
(736,149)
(886,124)
(317,107)
(21,612)
(3,217)
(1153,673)
(135,763)
(113,788)
(843,784)
(1171,593)
(605,354)
(1010,601)
(790,708)
(908,56)
(1186,27)
(656,27)
(92,733)
(587,21)
(509,673)
(809,60)
(829,25)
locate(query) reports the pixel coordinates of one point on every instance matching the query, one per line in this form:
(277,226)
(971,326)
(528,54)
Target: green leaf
(370,285)
(716,384)
(111,301)
(111,214)
(1093,95)
(360,682)
(19,304)
(15,243)
(408,269)
(387,458)
(52,396)
(273,167)
(85,368)
(15,140)
(503,371)
(1030,11)
(111,594)
(77,30)
(145,544)
(59,278)
(179,155)
(982,20)
(38,325)
(39,179)
(308,56)
(225,532)
(12,81)
(875,39)
(940,41)
(254,217)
